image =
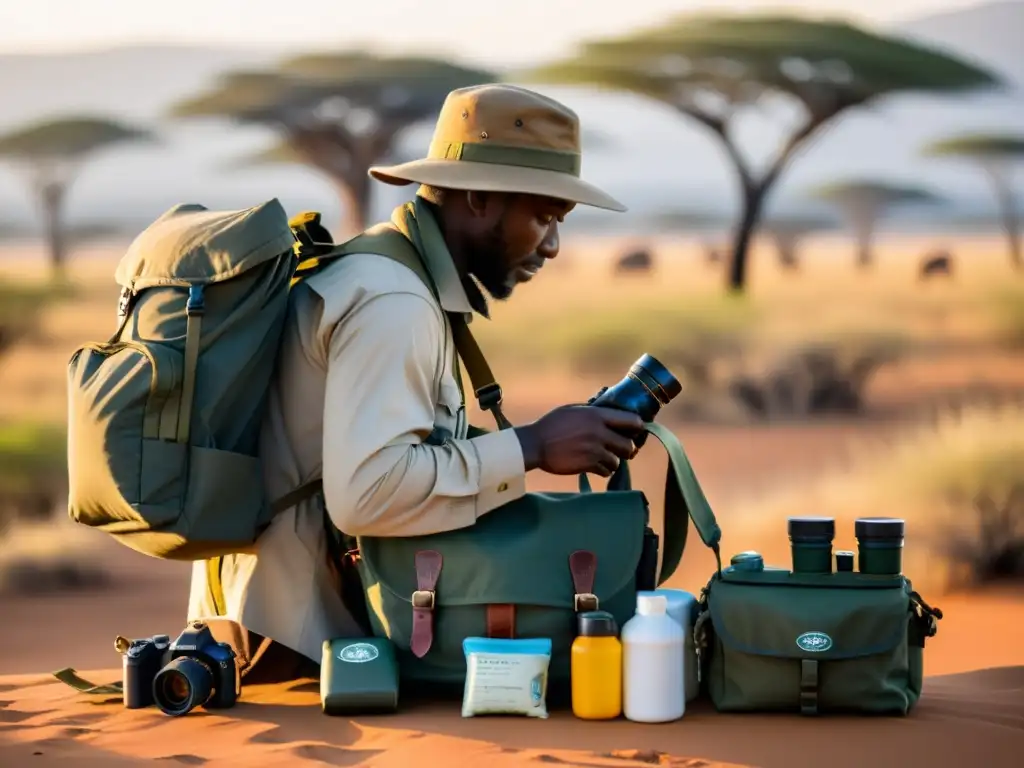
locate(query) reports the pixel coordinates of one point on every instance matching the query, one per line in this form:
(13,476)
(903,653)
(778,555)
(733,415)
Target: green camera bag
(525,570)
(812,642)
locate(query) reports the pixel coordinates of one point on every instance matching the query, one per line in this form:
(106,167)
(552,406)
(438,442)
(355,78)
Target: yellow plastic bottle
(597,667)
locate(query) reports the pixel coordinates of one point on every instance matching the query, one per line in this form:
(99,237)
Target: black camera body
(141,660)
(200,672)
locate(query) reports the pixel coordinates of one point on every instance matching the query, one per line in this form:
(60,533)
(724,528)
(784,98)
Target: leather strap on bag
(583,567)
(428,569)
(501,621)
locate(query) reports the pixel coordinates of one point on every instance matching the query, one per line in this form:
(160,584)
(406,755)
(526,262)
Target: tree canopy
(50,152)
(993,153)
(710,66)
(874,193)
(863,202)
(338,112)
(67,138)
(979,147)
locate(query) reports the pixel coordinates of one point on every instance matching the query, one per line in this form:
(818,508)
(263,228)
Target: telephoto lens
(646,387)
(811,543)
(880,545)
(184,684)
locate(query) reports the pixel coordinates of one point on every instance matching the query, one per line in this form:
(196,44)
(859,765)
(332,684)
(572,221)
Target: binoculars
(879,545)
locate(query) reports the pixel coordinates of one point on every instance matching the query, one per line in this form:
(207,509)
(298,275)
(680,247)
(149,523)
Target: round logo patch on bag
(358,653)
(814,642)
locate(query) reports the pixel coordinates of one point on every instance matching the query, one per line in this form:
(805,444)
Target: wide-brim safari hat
(503,138)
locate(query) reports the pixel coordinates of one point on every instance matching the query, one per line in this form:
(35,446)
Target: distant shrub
(957,483)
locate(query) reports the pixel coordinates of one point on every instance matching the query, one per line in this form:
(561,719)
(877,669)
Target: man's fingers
(605,463)
(620,421)
(618,444)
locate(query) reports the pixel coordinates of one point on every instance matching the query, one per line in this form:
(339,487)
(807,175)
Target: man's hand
(580,438)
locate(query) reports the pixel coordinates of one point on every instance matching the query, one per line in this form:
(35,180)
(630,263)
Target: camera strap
(70,677)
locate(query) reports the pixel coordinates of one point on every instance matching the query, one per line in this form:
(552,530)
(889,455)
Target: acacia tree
(786,232)
(50,154)
(864,203)
(339,113)
(994,154)
(710,67)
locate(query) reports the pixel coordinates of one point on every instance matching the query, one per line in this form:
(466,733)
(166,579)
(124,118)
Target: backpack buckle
(124,303)
(195,304)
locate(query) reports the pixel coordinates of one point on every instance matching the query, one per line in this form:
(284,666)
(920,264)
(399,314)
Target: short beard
(490,264)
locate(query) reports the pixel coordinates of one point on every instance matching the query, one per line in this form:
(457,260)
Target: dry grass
(952,481)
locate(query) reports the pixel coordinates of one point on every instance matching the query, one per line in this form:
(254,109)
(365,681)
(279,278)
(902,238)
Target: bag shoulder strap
(684,501)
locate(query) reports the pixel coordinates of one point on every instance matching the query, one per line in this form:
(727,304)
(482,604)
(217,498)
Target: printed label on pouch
(814,642)
(358,653)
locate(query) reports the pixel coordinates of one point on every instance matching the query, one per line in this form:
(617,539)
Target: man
(368,371)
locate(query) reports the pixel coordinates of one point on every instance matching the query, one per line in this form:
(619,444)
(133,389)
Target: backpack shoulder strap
(316,252)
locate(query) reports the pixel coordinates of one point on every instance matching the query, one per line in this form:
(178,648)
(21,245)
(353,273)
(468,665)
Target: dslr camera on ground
(193,671)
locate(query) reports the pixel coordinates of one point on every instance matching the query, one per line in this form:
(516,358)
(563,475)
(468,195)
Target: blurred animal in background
(936,263)
(713,255)
(639,261)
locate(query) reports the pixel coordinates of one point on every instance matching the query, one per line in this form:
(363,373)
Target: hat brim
(491,177)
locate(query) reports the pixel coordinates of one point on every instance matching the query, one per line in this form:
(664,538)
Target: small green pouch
(358,676)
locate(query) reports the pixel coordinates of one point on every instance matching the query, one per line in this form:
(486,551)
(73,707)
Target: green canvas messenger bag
(842,641)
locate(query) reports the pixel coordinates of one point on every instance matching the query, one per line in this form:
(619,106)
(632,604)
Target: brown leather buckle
(424,599)
(586,601)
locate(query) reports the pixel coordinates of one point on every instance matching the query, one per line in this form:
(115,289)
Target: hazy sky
(510,30)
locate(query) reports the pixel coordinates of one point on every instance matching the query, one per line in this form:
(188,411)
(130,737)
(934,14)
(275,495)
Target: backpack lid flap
(192,245)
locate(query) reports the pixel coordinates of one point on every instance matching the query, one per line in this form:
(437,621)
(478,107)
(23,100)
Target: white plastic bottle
(652,663)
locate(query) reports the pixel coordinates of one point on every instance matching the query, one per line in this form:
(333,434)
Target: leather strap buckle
(428,568)
(583,569)
(423,599)
(586,601)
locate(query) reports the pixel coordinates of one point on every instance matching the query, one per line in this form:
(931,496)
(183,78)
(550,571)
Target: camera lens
(657,378)
(643,390)
(182,685)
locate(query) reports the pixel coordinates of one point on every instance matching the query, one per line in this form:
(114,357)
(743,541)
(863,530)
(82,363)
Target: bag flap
(519,553)
(807,622)
(191,245)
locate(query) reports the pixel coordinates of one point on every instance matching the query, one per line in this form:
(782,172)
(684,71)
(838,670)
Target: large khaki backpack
(164,417)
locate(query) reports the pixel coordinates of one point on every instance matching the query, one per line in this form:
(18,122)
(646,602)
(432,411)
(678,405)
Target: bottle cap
(597,624)
(823,528)
(651,605)
(878,528)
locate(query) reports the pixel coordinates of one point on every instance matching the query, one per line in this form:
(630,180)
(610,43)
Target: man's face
(518,234)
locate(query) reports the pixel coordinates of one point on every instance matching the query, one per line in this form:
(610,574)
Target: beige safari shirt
(366,372)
